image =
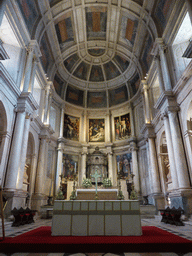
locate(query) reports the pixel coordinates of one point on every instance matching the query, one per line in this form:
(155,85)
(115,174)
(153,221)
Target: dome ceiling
(96,49)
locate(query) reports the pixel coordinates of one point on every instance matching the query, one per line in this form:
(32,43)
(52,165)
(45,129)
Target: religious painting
(96,22)
(122,127)
(118,95)
(30,13)
(96,130)
(124,165)
(70,166)
(74,96)
(96,99)
(71,127)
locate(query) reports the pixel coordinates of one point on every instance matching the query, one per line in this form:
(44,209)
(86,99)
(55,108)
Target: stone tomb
(92,218)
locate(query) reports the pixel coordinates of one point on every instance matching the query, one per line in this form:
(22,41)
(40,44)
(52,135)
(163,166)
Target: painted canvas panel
(111,70)
(59,84)
(121,62)
(74,96)
(70,62)
(29,12)
(96,22)
(162,12)
(124,165)
(46,58)
(96,74)
(64,30)
(118,96)
(71,127)
(96,130)
(96,99)
(122,127)
(70,166)
(82,70)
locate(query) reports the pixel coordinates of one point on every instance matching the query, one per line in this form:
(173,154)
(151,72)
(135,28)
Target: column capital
(161,45)
(171,109)
(33,47)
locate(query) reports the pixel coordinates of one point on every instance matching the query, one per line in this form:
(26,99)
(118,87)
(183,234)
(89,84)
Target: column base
(38,200)
(158,200)
(182,198)
(15,199)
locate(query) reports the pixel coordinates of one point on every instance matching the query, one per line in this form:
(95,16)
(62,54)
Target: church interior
(96,95)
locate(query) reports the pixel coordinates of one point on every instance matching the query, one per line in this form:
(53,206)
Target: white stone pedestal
(92,218)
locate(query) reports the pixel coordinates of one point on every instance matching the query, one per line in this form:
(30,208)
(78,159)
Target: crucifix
(96,176)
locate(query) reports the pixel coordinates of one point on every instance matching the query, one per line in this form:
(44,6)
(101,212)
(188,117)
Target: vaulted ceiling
(96,49)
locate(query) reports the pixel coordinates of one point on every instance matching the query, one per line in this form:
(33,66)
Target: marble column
(84,126)
(107,128)
(32,178)
(19,184)
(2,10)
(188,140)
(41,165)
(170,152)
(179,154)
(132,122)
(150,184)
(164,64)
(61,128)
(46,107)
(83,166)
(160,75)
(15,154)
(5,142)
(135,168)
(28,66)
(189,8)
(110,165)
(59,170)
(146,102)
(154,166)
(34,66)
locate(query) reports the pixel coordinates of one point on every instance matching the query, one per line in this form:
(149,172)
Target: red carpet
(152,240)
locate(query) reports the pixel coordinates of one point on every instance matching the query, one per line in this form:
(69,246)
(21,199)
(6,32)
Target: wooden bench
(172,216)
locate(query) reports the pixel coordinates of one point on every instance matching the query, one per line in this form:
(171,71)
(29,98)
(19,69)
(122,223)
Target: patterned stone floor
(183,231)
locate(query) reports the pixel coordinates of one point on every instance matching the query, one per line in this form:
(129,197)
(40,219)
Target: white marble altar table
(92,218)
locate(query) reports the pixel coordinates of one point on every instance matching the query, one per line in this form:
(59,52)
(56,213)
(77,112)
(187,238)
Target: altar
(103,194)
(96,218)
